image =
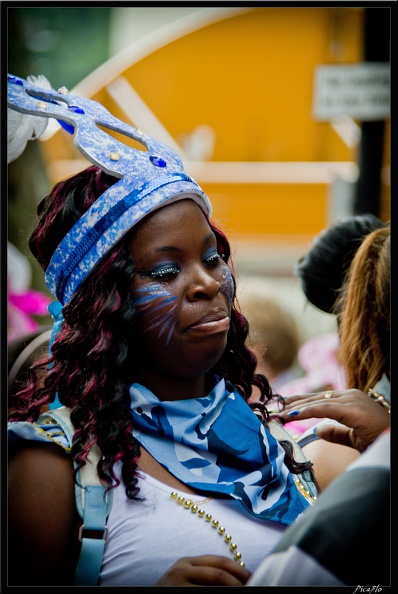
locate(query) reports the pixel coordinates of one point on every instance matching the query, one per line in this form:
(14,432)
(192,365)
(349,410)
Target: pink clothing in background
(317,356)
(22,302)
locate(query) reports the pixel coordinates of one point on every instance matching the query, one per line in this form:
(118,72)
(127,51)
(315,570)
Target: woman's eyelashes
(171,269)
(160,272)
(212,258)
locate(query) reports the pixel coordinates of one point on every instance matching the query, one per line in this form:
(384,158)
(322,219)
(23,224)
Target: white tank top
(147,537)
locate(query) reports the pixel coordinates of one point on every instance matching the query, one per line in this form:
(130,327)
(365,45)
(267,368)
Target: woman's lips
(212,327)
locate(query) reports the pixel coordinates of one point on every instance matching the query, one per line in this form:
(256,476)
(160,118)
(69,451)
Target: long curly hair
(363,312)
(91,359)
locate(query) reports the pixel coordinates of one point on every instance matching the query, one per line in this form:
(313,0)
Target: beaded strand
(303,490)
(201,513)
(380,399)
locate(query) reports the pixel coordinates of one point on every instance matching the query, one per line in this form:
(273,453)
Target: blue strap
(55,309)
(93,503)
(94,518)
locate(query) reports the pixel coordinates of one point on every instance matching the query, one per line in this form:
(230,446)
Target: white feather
(22,127)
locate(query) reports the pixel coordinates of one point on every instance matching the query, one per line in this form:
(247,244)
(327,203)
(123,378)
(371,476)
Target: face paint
(158,316)
(182,289)
(227,284)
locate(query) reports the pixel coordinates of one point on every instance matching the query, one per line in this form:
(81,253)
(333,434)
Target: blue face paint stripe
(168,323)
(148,299)
(169,334)
(160,319)
(164,303)
(150,288)
(157,293)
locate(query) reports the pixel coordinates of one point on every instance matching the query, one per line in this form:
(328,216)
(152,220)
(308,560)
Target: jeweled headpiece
(148,179)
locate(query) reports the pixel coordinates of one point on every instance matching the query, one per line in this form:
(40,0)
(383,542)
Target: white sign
(361,91)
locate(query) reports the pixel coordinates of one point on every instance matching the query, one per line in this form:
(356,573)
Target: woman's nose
(202,285)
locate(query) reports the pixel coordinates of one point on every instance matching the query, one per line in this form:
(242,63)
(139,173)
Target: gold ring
(328,394)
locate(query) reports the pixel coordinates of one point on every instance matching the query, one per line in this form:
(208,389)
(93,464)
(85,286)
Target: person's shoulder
(42,516)
(38,464)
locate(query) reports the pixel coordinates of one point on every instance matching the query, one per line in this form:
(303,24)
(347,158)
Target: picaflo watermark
(369,589)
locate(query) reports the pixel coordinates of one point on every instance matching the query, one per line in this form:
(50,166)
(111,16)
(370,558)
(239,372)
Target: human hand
(363,417)
(205,570)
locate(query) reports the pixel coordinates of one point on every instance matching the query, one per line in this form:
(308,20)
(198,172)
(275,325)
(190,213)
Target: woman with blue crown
(135,459)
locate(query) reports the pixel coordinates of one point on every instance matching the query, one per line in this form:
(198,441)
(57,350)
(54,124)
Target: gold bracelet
(380,399)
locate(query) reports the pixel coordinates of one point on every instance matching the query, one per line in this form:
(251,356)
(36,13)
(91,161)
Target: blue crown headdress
(148,179)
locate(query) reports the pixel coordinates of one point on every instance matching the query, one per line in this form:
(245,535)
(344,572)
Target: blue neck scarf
(218,445)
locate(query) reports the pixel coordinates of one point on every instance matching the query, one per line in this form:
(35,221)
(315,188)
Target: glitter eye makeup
(170,269)
(161,271)
(164,272)
(212,258)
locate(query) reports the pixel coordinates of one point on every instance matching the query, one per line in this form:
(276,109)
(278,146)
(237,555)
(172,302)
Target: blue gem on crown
(158,161)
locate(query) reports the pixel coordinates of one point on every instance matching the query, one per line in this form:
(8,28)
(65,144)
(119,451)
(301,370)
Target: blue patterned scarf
(218,445)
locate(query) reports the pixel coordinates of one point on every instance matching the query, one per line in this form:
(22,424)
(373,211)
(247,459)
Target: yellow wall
(269,209)
(250,77)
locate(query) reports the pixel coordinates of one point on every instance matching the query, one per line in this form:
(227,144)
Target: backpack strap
(93,502)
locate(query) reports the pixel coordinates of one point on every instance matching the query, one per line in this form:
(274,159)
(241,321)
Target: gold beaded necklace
(187,503)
